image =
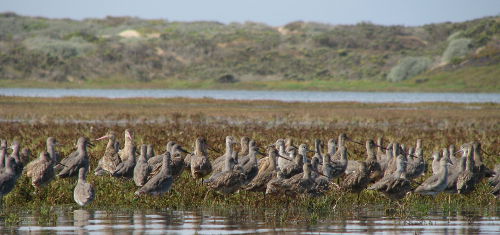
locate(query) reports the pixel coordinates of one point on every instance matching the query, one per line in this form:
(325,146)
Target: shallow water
(68,221)
(301,96)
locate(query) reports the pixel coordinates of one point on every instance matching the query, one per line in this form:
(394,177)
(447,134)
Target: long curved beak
(103,137)
(212,149)
(259,152)
(284,157)
(356,142)
(184,151)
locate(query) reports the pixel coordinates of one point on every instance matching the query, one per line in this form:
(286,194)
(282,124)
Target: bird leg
(206,195)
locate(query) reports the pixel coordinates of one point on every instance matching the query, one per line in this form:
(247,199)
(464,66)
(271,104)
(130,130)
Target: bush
(228,78)
(76,46)
(457,48)
(408,67)
(455,35)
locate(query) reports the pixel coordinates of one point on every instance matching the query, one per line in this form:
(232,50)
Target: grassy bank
(156,121)
(468,79)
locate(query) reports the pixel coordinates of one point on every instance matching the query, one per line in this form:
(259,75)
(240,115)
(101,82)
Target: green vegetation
(156,121)
(126,52)
(408,67)
(457,49)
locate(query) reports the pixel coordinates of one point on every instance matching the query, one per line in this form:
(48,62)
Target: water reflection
(242,221)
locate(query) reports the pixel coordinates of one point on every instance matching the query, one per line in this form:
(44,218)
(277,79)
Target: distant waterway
(289,96)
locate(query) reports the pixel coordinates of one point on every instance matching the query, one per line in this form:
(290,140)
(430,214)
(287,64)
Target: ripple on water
(210,222)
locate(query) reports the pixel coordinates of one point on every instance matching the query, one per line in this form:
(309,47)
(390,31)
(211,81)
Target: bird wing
(38,171)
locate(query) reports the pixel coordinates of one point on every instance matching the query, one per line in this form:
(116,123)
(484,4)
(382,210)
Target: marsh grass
(32,120)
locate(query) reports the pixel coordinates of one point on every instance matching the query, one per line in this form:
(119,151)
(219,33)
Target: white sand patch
(160,51)
(283,31)
(130,33)
(153,35)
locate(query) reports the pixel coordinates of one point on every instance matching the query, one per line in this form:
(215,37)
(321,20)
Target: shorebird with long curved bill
(110,160)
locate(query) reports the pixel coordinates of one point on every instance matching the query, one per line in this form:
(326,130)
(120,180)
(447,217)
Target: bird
(228,180)
(150,152)
(161,182)
(436,158)
(392,158)
(218,163)
(495,181)
(264,175)
(317,151)
(480,169)
(417,166)
(178,153)
(250,168)
(244,146)
(8,178)
(25,155)
(436,183)
(340,143)
(385,159)
(451,150)
(110,160)
(395,186)
(55,156)
(358,180)
(454,172)
(84,192)
(155,162)
(200,163)
(281,147)
(303,183)
(129,144)
(126,168)
(380,153)
(76,160)
(331,147)
(18,166)
(296,165)
(372,164)
(3,155)
(336,168)
(141,169)
(243,159)
(41,170)
(467,179)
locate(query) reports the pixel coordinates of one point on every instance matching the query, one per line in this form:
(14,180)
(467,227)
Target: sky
(271,12)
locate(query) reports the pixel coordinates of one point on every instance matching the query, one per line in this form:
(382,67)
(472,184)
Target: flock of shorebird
(285,169)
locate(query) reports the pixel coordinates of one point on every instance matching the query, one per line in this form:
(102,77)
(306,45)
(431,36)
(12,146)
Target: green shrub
(76,46)
(408,67)
(456,49)
(455,35)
